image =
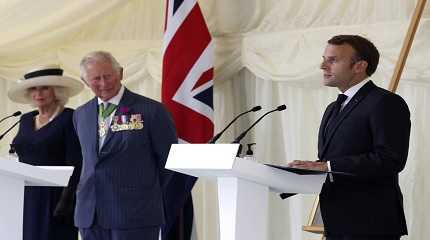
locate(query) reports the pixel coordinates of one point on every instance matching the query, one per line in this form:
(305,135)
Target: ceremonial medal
(115,124)
(136,121)
(127,122)
(102,129)
(124,119)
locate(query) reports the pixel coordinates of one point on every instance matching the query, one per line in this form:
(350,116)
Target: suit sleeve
(73,153)
(73,157)
(389,126)
(176,186)
(163,135)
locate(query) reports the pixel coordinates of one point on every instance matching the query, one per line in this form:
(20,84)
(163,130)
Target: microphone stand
(15,114)
(217,136)
(243,134)
(8,130)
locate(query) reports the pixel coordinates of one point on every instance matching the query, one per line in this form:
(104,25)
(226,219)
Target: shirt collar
(354,89)
(116,99)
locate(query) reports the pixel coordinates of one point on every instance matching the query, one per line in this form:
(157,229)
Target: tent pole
(407,43)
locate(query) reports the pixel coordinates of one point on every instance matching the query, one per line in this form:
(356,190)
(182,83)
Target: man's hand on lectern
(311,165)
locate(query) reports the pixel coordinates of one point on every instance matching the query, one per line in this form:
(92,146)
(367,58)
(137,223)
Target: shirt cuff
(329,169)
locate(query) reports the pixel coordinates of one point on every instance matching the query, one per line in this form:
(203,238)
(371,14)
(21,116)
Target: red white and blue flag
(187,91)
(187,86)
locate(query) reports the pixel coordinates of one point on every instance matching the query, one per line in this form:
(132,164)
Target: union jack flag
(187,86)
(187,91)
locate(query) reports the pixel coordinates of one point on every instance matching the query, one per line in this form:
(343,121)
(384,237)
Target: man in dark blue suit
(125,140)
(365,133)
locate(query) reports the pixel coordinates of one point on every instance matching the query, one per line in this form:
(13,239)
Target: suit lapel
(356,99)
(125,103)
(323,126)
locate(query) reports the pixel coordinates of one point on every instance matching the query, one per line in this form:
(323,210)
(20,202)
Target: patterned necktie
(336,109)
(105,112)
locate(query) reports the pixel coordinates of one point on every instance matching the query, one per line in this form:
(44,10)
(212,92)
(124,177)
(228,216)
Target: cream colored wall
(267,52)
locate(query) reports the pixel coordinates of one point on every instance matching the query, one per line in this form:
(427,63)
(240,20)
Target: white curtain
(267,53)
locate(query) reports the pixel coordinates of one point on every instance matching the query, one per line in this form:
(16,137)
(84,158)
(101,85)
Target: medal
(102,129)
(124,119)
(124,122)
(136,121)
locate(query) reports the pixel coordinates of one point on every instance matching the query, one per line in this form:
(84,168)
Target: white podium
(243,185)
(14,176)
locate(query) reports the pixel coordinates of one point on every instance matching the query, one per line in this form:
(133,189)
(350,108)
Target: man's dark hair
(365,50)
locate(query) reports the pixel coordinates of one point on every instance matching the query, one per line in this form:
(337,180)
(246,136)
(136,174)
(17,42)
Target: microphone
(15,114)
(215,138)
(241,136)
(8,130)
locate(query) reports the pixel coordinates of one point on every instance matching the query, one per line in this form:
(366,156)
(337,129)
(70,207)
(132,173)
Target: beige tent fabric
(267,37)
(267,52)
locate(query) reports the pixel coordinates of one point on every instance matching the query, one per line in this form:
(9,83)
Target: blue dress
(48,211)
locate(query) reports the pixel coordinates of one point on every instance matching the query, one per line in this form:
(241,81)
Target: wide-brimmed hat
(50,75)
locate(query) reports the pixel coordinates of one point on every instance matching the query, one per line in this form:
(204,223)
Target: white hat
(50,75)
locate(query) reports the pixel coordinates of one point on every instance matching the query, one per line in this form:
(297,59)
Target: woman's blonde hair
(61,95)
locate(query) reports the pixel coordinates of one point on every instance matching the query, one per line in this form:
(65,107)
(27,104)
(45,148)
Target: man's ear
(360,66)
(121,71)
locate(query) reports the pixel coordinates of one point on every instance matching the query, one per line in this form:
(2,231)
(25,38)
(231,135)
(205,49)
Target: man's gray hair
(98,56)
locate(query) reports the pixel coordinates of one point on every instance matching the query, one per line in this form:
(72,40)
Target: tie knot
(341,98)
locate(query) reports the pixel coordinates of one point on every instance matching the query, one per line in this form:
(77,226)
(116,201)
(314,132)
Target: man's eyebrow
(329,57)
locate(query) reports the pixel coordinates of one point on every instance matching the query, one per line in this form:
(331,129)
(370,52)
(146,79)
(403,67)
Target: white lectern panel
(243,185)
(14,176)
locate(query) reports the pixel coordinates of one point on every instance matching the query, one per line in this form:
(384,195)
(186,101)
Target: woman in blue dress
(46,137)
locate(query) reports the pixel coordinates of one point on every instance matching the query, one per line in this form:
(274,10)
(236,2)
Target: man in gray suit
(125,140)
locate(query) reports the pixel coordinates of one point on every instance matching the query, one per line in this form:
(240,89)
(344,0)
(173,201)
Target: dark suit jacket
(370,139)
(122,183)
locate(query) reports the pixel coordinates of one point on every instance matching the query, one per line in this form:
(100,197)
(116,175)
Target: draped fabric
(266,52)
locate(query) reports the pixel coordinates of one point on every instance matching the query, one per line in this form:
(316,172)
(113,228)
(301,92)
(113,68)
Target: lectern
(243,185)
(14,176)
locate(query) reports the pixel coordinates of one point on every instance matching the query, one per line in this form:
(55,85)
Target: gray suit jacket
(121,184)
